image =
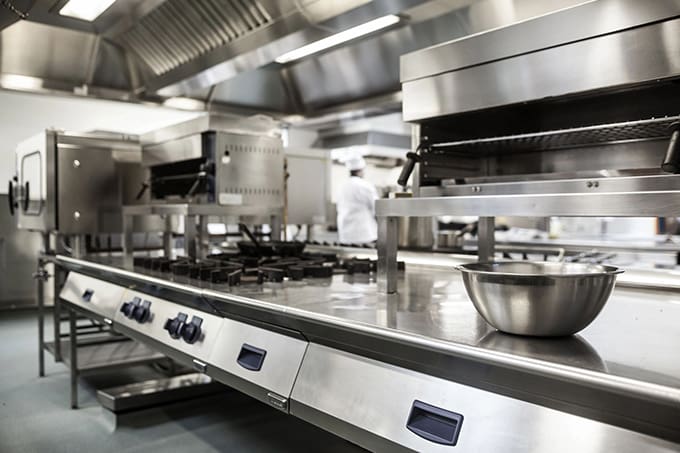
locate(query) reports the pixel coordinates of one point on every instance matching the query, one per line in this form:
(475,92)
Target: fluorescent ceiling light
(339,38)
(85,9)
(183,103)
(20,82)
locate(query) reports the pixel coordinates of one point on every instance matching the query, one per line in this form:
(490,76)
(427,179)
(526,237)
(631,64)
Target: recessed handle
(87,295)
(434,424)
(251,358)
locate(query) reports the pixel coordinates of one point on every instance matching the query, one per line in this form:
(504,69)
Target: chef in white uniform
(356,206)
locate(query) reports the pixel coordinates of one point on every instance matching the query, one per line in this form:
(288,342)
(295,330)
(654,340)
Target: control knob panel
(137,309)
(178,327)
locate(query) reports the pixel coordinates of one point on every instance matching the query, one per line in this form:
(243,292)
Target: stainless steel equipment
(539,298)
(418,370)
(18,249)
(521,121)
(211,166)
(216,160)
(74,183)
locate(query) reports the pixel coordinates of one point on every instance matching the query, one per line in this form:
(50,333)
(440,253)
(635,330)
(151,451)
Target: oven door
(34,190)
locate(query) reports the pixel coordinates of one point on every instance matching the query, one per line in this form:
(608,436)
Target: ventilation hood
(220,54)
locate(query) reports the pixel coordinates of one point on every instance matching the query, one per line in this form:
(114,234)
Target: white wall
(23,115)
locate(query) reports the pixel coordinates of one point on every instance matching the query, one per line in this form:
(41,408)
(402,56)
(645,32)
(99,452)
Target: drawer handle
(251,358)
(87,295)
(434,424)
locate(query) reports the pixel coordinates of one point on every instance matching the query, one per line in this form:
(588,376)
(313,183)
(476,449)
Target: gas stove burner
(236,268)
(365,266)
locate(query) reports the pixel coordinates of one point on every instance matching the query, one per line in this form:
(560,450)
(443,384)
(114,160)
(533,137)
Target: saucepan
(539,298)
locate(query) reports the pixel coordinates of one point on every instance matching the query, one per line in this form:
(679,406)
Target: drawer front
(267,359)
(425,413)
(92,294)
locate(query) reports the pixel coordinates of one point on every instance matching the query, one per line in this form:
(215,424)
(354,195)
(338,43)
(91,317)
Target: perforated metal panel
(249,170)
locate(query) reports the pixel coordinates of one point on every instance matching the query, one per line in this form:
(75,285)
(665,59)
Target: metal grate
(652,129)
(179,31)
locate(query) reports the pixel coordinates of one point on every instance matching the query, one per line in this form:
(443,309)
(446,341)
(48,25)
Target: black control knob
(191,332)
(142,312)
(175,325)
(128,308)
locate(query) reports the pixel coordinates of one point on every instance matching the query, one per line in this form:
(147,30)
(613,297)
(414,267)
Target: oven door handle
(10,197)
(26,197)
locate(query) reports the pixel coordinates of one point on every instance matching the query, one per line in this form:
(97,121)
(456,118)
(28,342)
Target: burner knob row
(137,309)
(178,327)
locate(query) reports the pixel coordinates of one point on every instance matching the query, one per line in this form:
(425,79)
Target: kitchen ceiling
(222,52)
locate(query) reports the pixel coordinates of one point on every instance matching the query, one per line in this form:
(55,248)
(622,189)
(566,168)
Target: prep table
(407,370)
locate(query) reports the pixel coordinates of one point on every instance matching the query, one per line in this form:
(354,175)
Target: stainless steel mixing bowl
(539,298)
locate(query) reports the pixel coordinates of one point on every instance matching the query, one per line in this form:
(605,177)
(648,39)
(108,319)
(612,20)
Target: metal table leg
(190,237)
(73,346)
(167,237)
(128,240)
(40,286)
(486,242)
(56,313)
(388,234)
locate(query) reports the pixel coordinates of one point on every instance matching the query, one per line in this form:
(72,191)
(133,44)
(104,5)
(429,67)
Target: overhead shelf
(581,204)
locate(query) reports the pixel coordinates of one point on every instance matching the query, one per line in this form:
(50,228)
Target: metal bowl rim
(608,270)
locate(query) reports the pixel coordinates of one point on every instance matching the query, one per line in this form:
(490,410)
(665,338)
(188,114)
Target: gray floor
(34,413)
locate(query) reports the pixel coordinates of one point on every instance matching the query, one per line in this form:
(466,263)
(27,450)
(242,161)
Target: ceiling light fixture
(339,38)
(20,82)
(85,9)
(182,103)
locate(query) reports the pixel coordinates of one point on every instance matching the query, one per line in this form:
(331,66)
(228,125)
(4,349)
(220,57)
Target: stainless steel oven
(75,183)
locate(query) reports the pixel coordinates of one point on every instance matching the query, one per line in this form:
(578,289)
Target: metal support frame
(195,236)
(486,239)
(195,224)
(41,277)
(167,237)
(388,235)
(73,357)
(656,203)
(56,312)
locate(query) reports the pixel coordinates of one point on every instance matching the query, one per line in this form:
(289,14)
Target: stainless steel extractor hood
(221,53)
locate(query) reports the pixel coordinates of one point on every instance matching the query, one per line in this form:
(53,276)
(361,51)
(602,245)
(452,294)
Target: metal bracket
(41,274)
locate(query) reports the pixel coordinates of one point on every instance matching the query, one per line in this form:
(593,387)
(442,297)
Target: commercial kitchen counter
(621,370)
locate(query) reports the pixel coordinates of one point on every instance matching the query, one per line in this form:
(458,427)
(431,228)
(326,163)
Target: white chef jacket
(356,212)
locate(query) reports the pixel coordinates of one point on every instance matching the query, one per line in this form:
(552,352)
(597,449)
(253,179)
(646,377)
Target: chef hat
(355,163)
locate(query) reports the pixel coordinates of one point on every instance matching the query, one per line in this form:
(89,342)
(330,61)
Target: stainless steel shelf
(99,355)
(192,209)
(584,204)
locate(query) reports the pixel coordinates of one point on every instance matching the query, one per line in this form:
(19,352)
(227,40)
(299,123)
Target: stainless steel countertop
(630,347)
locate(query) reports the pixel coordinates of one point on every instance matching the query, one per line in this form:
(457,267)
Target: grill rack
(625,132)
